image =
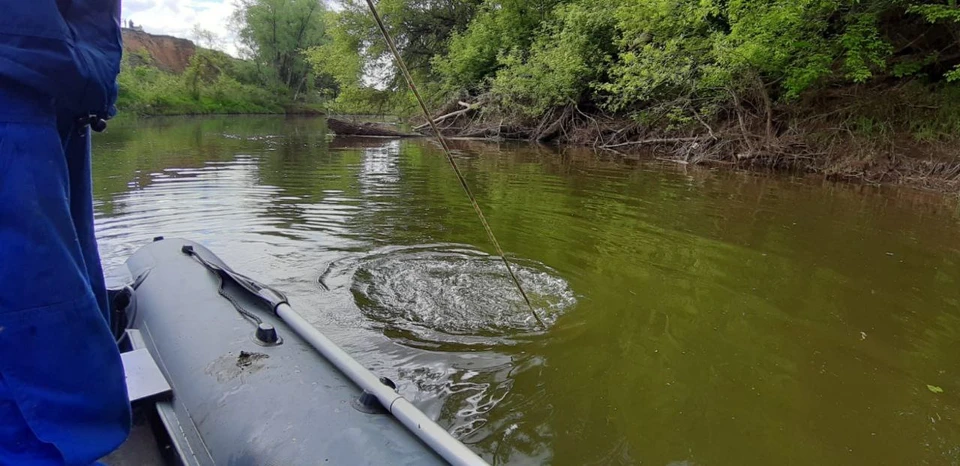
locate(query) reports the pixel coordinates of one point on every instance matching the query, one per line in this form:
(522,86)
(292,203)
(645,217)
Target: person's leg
(20,445)
(76,148)
(60,365)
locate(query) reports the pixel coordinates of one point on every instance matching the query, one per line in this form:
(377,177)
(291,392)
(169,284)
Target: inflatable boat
(229,374)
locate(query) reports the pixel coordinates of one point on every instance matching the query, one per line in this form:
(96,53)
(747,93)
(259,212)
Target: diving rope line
(453,162)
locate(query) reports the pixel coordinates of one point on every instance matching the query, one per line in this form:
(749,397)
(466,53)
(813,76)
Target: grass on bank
(210,84)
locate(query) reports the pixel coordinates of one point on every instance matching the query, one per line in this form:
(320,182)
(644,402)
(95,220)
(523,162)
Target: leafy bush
(501,27)
(628,55)
(568,57)
(202,88)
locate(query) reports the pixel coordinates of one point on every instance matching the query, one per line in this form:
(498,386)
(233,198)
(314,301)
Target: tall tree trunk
(275,45)
(299,44)
(296,95)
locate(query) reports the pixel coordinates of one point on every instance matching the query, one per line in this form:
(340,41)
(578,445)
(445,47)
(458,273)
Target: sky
(178,17)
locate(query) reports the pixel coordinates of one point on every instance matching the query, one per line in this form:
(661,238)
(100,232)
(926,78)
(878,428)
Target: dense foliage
(357,58)
(653,60)
(642,57)
(629,54)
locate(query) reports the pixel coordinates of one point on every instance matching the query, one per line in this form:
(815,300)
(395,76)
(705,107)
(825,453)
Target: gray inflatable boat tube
(240,401)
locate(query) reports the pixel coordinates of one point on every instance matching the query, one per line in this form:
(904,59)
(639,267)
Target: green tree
(420,28)
(274,34)
(500,27)
(356,59)
(567,57)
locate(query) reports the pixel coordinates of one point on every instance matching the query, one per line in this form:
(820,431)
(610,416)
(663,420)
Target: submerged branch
(652,141)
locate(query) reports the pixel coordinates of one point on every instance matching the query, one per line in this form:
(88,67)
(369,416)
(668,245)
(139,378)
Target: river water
(696,316)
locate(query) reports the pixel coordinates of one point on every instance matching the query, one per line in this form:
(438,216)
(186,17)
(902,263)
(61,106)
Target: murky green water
(697,317)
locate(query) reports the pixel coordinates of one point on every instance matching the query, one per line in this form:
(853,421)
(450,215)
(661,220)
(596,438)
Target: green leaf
(934,389)
(953,75)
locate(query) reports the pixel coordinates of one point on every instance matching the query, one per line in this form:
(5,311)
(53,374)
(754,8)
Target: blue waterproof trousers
(62,394)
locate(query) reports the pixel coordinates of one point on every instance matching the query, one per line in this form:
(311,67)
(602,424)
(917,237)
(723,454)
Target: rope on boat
(453,163)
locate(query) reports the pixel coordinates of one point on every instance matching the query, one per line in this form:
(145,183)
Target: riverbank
(862,90)
(169,76)
(882,134)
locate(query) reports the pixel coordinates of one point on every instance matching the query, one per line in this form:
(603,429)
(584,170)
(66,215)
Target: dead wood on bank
(346,128)
(751,133)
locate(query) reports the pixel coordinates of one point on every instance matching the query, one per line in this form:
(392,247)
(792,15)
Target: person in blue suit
(63,399)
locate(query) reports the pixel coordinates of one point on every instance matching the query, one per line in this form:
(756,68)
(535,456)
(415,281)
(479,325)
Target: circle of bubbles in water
(457,292)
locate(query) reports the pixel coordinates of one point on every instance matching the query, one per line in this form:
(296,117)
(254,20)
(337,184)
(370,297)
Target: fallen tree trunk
(468,108)
(346,128)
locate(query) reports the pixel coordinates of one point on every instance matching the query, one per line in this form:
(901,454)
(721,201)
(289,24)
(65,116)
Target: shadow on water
(697,316)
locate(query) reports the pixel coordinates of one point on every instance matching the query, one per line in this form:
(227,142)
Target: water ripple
(451,293)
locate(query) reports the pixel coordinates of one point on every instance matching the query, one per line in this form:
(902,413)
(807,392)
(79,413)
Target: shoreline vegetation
(850,90)
(838,146)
